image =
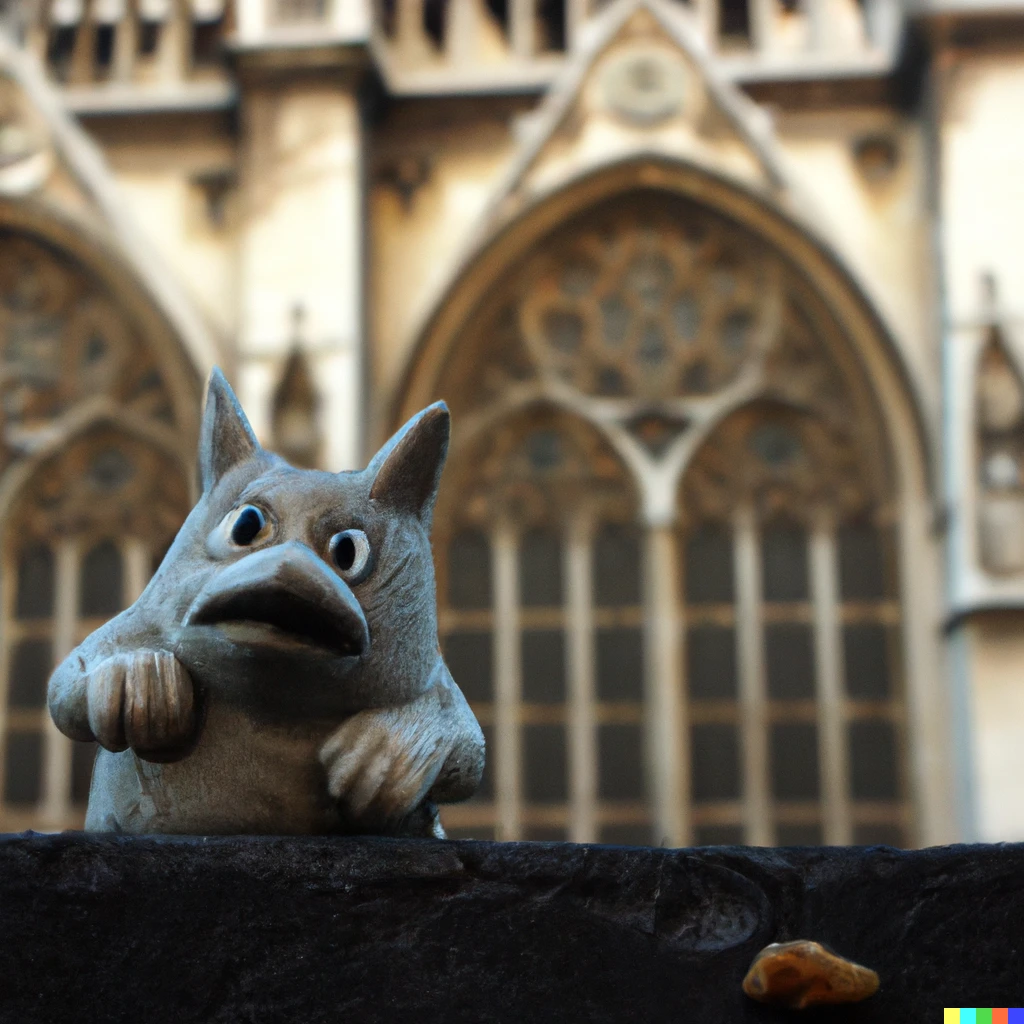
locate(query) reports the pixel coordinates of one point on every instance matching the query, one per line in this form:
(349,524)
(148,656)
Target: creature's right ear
(226,439)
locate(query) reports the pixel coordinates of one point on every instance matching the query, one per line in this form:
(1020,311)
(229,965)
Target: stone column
(301,237)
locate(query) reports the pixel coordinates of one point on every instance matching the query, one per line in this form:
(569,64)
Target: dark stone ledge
(310,929)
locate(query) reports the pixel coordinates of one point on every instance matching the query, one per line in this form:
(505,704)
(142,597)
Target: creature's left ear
(407,470)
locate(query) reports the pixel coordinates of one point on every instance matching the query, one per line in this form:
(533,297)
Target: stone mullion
(666,742)
(507,684)
(580,666)
(832,745)
(752,687)
(57,749)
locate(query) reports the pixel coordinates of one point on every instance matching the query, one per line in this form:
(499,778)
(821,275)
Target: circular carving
(63,341)
(649,308)
(645,86)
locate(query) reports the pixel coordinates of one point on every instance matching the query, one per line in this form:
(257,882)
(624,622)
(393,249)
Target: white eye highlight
(350,552)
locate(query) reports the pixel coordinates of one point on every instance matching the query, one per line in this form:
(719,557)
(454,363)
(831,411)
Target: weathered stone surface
(106,928)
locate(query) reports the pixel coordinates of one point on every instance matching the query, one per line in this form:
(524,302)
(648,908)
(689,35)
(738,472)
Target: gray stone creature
(281,672)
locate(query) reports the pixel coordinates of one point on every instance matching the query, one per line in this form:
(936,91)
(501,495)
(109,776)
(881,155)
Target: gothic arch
(494,352)
(98,423)
(826,276)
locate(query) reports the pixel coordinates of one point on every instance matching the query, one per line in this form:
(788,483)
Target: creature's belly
(240,778)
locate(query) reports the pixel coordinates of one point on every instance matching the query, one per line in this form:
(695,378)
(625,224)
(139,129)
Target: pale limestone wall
(170,210)
(155,168)
(997,651)
(983,180)
(300,242)
(880,229)
(415,248)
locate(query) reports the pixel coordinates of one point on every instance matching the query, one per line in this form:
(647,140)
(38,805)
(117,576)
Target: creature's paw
(381,764)
(143,700)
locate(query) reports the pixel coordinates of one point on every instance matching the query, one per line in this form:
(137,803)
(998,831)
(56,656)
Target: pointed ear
(225,439)
(407,470)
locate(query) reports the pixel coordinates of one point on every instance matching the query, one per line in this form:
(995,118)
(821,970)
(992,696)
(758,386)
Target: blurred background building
(726,298)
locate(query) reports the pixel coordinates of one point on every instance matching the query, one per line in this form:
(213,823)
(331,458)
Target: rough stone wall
(319,929)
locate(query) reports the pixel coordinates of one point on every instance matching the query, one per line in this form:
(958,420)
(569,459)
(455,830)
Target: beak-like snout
(284,593)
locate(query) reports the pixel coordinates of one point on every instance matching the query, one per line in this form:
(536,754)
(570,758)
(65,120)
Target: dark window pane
(784,563)
(82,757)
(625,835)
(469,658)
(470,832)
(485,791)
(866,660)
(878,835)
(709,566)
(544,764)
(544,834)
(543,653)
(540,569)
(794,761)
(798,835)
(873,774)
(100,583)
(715,762)
(469,571)
(23,761)
(718,835)
(30,670)
(861,563)
(620,762)
(711,662)
(616,567)
(789,659)
(620,664)
(35,583)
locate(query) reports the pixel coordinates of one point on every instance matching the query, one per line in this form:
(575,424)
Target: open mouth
(276,615)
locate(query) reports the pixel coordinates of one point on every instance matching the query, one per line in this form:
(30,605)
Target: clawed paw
(144,700)
(381,764)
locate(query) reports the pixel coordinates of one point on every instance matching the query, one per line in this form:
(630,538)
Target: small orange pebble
(801,974)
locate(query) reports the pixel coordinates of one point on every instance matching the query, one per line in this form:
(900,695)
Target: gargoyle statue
(281,672)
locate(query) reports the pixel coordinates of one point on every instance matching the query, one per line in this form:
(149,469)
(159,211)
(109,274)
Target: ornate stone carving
(104,483)
(644,84)
(281,673)
(638,306)
(999,425)
(780,462)
(64,342)
(543,467)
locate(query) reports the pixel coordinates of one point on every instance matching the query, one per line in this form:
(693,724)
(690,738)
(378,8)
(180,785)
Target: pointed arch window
(733,655)
(86,523)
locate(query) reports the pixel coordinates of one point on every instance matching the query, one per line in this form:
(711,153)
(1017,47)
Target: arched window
(91,505)
(666,546)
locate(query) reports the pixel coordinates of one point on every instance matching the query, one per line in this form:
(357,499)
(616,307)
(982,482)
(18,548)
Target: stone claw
(801,974)
(143,700)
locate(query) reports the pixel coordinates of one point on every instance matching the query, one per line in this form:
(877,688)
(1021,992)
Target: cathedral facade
(726,299)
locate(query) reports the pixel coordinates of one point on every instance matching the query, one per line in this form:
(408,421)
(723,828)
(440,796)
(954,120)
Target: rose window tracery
(64,341)
(651,344)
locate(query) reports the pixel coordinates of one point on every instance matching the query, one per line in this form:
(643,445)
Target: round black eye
(350,550)
(247,525)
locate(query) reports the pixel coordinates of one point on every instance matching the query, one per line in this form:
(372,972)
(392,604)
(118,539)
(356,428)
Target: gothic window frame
(861,347)
(91,464)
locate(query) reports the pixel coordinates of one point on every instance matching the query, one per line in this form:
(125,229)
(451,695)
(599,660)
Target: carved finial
(989,290)
(801,974)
